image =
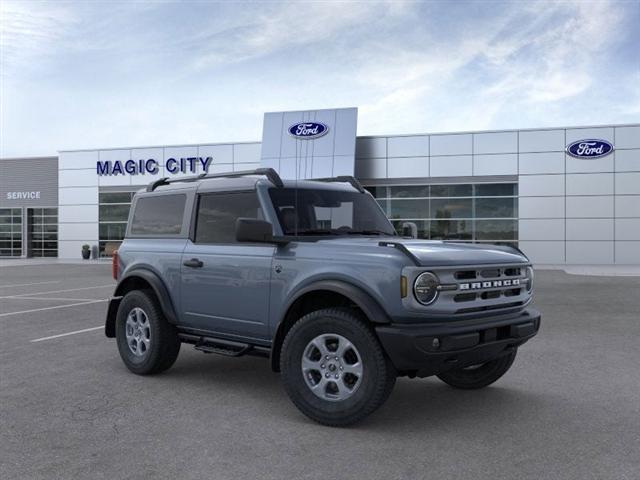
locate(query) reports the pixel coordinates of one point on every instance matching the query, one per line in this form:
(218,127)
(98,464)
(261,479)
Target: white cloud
(30,30)
(83,74)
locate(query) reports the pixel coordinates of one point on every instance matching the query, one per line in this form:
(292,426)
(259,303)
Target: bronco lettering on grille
(492,284)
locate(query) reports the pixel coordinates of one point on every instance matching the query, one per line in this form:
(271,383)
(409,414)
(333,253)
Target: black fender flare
(369,306)
(158,287)
(363,300)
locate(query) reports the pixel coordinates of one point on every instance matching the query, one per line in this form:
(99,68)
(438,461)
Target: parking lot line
(66,334)
(58,291)
(50,298)
(29,284)
(53,308)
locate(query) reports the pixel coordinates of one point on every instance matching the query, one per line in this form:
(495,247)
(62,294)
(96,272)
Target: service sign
(308,130)
(23,195)
(589,149)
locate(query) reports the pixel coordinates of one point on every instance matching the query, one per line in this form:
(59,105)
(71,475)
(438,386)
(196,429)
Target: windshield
(328,212)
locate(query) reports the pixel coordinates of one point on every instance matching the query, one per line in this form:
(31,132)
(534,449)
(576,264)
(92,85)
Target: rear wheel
(333,367)
(146,341)
(481,375)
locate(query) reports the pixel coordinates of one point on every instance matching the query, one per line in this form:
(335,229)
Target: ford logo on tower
(308,130)
(589,148)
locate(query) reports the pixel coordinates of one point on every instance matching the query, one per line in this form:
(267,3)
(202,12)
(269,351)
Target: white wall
(570,210)
(79,183)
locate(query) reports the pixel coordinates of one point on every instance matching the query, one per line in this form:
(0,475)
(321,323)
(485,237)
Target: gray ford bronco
(312,275)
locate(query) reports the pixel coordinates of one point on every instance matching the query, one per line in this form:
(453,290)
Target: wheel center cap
(332,367)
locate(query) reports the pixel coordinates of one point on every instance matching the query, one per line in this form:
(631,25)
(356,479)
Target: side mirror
(253,230)
(409,229)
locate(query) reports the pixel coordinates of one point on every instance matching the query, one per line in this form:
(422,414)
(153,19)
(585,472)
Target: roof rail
(270,173)
(343,178)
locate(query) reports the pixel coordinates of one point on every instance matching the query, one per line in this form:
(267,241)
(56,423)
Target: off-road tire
(480,377)
(378,377)
(164,341)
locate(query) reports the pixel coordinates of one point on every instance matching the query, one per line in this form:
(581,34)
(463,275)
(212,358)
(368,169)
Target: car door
(226,284)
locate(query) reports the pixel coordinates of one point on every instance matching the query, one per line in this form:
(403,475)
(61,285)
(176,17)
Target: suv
(312,275)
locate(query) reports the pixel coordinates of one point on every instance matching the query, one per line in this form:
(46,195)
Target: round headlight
(529,275)
(425,288)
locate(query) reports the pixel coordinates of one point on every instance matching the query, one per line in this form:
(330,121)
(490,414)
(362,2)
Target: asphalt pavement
(568,409)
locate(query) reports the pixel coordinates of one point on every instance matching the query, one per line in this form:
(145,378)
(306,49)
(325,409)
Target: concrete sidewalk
(596,270)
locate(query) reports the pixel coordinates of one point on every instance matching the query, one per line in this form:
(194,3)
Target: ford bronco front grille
(484,288)
(499,285)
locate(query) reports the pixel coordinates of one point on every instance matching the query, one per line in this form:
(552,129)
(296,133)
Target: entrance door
(225,284)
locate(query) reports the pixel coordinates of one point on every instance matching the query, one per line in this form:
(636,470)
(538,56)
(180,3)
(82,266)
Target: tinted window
(217,215)
(158,215)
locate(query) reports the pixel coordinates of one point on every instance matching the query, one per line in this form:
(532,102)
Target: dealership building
(567,195)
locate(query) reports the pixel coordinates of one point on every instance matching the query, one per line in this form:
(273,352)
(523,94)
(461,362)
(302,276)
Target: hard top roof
(249,180)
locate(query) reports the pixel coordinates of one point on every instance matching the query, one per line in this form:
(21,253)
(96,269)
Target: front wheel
(333,367)
(479,376)
(147,343)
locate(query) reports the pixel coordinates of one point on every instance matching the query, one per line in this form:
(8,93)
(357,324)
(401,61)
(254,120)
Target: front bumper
(429,349)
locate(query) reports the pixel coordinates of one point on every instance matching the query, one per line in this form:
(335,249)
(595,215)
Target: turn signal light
(403,286)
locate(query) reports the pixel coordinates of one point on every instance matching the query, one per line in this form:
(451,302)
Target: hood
(437,253)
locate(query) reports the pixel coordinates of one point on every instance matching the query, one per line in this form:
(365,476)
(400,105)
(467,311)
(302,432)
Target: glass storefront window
(464,190)
(423,227)
(496,229)
(452,229)
(42,228)
(113,213)
(452,208)
(496,189)
(410,191)
(481,212)
(10,232)
(115,197)
(505,207)
(406,208)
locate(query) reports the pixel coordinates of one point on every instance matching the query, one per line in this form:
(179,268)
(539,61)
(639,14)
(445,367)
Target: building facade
(520,187)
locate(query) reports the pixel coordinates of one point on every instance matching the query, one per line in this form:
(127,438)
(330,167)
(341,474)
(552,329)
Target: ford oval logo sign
(308,130)
(590,148)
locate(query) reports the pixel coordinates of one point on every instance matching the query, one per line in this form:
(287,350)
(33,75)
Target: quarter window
(158,215)
(217,215)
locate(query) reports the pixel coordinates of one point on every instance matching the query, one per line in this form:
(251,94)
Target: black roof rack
(270,173)
(343,178)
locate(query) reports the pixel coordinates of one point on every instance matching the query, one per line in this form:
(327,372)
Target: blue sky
(100,74)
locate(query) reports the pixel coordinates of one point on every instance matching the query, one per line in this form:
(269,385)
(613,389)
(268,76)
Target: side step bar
(222,346)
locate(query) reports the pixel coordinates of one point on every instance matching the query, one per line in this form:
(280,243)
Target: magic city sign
(152,166)
(589,148)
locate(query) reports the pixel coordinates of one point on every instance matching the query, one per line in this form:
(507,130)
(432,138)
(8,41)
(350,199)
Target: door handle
(193,263)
